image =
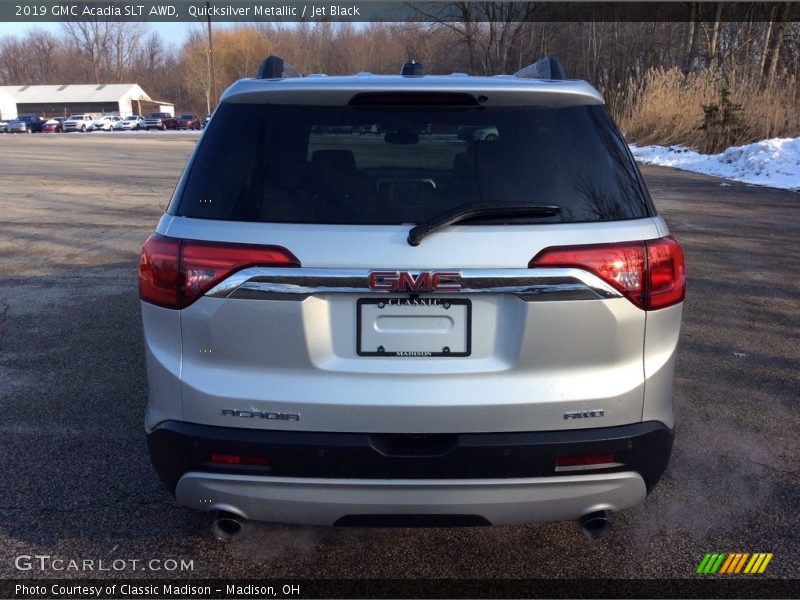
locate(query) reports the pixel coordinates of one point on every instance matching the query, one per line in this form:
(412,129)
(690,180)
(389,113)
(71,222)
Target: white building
(8,107)
(123,99)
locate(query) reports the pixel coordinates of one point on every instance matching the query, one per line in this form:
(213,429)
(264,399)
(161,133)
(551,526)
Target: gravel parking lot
(77,482)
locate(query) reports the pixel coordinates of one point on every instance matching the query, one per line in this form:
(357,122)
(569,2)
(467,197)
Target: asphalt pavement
(76,479)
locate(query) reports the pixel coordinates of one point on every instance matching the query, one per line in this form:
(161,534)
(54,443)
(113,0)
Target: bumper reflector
(585,463)
(235,459)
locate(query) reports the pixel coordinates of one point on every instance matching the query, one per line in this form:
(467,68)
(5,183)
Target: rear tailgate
(291,361)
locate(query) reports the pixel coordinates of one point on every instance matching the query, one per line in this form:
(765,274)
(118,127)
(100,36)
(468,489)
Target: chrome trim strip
(299,283)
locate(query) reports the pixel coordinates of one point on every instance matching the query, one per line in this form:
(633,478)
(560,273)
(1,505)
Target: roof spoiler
(274,67)
(544,68)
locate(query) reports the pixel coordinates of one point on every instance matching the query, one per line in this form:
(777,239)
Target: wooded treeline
(705,82)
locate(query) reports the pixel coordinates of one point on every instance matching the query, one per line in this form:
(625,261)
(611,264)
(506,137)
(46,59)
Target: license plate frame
(406,311)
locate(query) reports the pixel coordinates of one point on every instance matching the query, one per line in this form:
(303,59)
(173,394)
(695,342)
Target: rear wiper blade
(477,209)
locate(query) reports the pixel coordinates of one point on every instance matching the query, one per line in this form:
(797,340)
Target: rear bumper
(320,478)
(410,501)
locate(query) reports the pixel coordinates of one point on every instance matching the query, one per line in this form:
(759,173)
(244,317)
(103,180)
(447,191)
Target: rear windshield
(341,164)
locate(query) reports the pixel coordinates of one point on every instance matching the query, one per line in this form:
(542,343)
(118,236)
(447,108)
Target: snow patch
(773,163)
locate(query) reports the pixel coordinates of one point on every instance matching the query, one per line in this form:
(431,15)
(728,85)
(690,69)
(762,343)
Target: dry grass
(666,107)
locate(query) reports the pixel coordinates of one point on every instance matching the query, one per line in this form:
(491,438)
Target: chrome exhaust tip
(596,525)
(227,526)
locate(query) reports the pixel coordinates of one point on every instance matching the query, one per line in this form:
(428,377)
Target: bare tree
(767,39)
(125,39)
(91,40)
(488,29)
(152,53)
(714,41)
(195,67)
(41,49)
(12,63)
(778,39)
(690,40)
(106,46)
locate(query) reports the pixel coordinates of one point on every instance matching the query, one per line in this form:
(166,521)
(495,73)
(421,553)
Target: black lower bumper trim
(412,521)
(177,448)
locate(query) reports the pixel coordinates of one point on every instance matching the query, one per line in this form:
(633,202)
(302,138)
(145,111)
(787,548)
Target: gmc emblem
(425,281)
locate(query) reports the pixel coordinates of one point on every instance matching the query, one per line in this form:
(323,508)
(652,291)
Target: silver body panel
(324,501)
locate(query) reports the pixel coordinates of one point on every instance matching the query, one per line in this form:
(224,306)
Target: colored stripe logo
(723,563)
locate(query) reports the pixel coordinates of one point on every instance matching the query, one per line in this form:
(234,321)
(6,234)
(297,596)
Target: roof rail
(544,68)
(274,67)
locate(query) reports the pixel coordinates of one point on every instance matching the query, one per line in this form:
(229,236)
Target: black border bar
(386,11)
(699,587)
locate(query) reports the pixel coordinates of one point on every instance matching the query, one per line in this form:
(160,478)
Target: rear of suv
(355,314)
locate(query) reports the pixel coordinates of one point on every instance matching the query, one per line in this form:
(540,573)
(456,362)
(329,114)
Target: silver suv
(355,314)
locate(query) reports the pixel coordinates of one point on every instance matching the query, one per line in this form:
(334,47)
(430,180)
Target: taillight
(158,271)
(650,274)
(667,274)
(205,264)
(174,273)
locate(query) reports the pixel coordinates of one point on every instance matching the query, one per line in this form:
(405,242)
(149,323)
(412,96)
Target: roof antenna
(274,67)
(544,68)
(413,69)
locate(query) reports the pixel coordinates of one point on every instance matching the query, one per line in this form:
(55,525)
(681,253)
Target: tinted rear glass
(339,164)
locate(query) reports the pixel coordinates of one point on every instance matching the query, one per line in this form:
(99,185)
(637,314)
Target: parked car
(162,121)
(463,332)
(82,123)
(54,125)
(26,124)
(188,122)
(133,122)
(205,122)
(3,126)
(105,123)
(17,126)
(478,134)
